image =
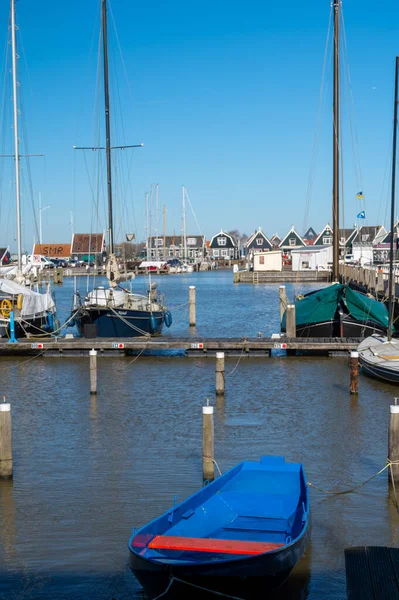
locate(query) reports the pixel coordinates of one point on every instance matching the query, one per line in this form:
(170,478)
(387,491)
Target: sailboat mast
(393,185)
(16,138)
(107,128)
(184,223)
(336,122)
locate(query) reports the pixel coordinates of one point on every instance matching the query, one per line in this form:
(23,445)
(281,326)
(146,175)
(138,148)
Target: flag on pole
(359,195)
(361,215)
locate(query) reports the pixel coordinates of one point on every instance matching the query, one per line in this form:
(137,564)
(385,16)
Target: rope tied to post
(388,465)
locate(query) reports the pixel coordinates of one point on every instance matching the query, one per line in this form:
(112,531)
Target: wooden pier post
(5,441)
(93,371)
(290,321)
(60,274)
(39,277)
(55,275)
(283,301)
(208,447)
(191,301)
(354,372)
(220,380)
(393,440)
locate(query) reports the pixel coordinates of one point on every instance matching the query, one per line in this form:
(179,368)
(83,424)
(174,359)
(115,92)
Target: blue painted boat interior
(264,501)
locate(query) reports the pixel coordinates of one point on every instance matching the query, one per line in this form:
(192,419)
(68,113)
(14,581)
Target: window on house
(190,253)
(216,253)
(327,240)
(159,241)
(224,252)
(292,241)
(365,237)
(171,252)
(261,260)
(191,241)
(222,241)
(259,241)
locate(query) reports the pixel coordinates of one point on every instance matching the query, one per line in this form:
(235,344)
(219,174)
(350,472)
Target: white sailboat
(115,311)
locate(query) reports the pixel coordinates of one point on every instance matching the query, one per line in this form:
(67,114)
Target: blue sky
(225,98)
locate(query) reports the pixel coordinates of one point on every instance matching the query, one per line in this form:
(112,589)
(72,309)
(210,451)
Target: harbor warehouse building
(88,247)
(268,261)
(312,258)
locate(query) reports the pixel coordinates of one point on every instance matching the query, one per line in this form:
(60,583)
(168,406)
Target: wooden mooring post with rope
(393,441)
(5,441)
(220,376)
(93,371)
(192,305)
(208,444)
(283,301)
(354,372)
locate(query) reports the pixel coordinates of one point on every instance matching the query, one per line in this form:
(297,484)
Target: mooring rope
(389,465)
(238,361)
(198,587)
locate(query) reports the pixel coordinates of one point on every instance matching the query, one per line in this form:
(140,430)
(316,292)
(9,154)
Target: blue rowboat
(240,535)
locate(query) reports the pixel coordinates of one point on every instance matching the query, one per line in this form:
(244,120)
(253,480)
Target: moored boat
(338,311)
(240,535)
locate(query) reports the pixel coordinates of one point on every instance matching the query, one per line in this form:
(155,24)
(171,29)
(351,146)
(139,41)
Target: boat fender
(5,307)
(20,299)
(153,323)
(168,318)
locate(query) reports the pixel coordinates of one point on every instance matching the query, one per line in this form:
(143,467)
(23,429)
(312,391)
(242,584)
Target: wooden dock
(190,346)
(284,276)
(372,573)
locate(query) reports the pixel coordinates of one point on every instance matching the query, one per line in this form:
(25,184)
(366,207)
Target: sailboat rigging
(115,311)
(379,355)
(23,312)
(337,310)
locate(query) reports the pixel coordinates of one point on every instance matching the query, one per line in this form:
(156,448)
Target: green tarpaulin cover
(364,308)
(321,306)
(317,307)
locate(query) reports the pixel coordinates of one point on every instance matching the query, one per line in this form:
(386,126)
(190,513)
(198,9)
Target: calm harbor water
(88,469)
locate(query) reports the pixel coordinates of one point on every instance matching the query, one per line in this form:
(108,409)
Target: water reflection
(7,520)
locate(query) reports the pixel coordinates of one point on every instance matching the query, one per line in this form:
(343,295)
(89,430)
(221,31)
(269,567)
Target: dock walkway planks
(372,573)
(193,346)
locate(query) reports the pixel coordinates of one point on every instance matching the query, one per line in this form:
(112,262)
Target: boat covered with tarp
(33,313)
(338,311)
(241,535)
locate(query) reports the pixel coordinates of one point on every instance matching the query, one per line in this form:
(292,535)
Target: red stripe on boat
(169,542)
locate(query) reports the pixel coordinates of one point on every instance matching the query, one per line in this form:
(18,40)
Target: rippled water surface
(88,469)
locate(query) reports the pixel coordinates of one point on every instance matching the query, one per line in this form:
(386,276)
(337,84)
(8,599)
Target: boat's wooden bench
(169,542)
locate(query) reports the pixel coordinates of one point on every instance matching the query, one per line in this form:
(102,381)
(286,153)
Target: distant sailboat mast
(184,223)
(336,122)
(391,246)
(16,138)
(107,128)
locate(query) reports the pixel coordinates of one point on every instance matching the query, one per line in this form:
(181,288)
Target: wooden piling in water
(5,441)
(55,275)
(290,321)
(220,379)
(283,301)
(60,271)
(208,447)
(191,302)
(354,372)
(93,371)
(393,441)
